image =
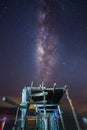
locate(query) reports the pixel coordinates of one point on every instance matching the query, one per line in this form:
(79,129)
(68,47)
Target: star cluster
(46,45)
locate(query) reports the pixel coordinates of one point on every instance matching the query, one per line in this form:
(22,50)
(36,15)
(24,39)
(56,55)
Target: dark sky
(18,33)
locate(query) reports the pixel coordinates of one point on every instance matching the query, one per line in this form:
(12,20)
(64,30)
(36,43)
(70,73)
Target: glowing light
(46,45)
(3,123)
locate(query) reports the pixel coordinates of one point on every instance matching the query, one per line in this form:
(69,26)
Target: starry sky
(19,31)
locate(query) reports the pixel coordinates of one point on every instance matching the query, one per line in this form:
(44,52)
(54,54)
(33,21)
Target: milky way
(46,45)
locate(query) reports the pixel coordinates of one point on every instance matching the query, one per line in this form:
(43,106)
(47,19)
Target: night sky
(19,31)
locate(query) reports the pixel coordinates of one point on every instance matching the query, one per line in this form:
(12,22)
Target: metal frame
(44,119)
